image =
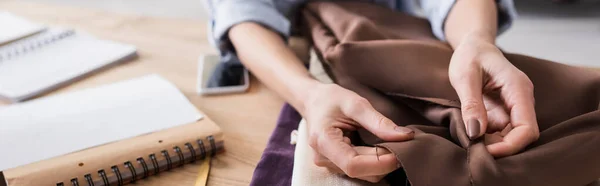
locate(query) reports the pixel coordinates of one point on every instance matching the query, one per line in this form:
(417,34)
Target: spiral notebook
(53,57)
(110,135)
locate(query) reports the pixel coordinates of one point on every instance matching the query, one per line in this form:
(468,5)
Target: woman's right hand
(328,108)
(332,111)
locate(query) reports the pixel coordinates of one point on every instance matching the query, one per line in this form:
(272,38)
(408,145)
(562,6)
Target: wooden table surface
(171,47)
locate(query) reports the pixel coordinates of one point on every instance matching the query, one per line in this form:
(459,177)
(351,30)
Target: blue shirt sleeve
(437,12)
(225,14)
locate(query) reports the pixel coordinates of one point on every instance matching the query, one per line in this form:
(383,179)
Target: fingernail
(473,128)
(403,130)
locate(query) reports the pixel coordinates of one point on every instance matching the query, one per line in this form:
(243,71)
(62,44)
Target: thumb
(468,86)
(367,117)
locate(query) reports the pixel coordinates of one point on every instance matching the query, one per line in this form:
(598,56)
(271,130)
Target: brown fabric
(394,61)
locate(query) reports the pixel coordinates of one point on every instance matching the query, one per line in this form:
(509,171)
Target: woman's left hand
(496,97)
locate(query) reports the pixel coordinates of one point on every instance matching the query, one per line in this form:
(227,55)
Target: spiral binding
(213,146)
(131,170)
(115,170)
(202,150)
(165,153)
(102,174)
(88,178)
(74,182)
(154,163)
(145,166)
(28,45)
(192,150)
(179,154)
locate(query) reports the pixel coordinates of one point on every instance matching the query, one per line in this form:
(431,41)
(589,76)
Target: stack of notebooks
(110,135)
(35,59)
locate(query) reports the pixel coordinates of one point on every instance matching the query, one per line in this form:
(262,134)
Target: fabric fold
(276,164)
(394,61)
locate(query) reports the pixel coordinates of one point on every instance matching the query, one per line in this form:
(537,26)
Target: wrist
(479,37)
(478,43)
(301,91)
(476,48)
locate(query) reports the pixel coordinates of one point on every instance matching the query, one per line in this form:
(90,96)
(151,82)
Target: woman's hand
(495,96)
(331,111)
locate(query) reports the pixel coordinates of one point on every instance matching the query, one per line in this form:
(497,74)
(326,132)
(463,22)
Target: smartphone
(216,77)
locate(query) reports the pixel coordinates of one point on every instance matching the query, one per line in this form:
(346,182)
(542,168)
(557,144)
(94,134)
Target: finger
(468,83)
(345,157)
(362,112)
(330,144)
(321,160)
(497,137)
(497,114)
(513,142)
(377,161)
(372,179)
(378,151)
(492,138)
(335,169)
(347,141)
(506,130)
(523,119)
(522,134)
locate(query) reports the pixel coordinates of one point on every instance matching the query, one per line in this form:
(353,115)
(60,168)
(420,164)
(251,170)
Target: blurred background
(564,32)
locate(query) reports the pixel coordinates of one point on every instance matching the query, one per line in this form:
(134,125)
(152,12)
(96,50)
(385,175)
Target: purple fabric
(277,162)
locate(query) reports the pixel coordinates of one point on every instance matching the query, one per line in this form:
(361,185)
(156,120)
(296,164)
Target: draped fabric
(394,61)
(277,162)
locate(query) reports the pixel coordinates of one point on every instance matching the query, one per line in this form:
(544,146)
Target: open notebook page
(60,124)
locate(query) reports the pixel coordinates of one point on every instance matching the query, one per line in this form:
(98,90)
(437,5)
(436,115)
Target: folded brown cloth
(394,61)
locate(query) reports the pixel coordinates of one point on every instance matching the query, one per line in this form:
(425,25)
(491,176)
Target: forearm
(472,19)
(267,56)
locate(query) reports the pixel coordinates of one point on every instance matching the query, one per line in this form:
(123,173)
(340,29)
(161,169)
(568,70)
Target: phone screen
(217,74)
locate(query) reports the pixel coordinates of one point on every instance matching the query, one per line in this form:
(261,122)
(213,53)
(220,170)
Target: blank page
(57,125)
(14,27)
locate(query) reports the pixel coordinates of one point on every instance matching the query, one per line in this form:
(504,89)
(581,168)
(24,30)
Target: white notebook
(14,28)
(93,117)
(46,60)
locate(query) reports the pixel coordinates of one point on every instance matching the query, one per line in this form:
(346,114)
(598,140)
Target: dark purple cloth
(277,162)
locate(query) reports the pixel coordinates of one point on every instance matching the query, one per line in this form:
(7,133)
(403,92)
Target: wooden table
(171,47)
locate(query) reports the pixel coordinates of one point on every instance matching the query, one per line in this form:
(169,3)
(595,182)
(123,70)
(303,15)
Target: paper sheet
(14,27)
(57,125)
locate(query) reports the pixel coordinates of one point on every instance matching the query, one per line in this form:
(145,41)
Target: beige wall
(563,33)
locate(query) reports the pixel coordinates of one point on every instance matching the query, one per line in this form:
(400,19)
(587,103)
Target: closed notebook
(14,28)
(110,135)
(46,60)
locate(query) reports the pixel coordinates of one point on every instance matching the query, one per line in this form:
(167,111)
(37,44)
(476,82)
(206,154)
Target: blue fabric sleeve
(437,12)
(225,14)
